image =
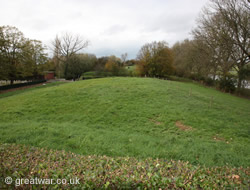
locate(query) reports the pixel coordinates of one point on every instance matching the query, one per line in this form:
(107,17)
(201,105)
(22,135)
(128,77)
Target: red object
(49,76)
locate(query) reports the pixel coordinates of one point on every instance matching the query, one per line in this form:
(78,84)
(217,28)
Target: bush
(96,74)
(209,82)
(100,74)
(197,77)
(244,92)
(227,84)
(179,79)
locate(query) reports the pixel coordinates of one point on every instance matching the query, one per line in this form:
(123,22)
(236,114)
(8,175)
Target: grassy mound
(102,172)
(135,117)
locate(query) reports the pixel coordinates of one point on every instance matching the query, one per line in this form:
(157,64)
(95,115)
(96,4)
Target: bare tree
(124,58)
(224,28)
(66,46)
(236,15)
(214,40)
(69,44)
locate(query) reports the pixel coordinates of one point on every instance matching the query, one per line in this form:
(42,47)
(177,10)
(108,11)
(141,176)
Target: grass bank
(135,117)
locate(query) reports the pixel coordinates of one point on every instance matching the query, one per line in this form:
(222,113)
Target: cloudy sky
(113,27)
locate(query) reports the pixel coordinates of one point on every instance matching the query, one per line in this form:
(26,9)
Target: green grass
(131,68)
(4,94)
(95,74)
(133,117)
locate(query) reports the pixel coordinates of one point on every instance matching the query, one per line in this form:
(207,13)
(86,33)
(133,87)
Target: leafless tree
(69,44)
(124,58)
(66,46)
(224,28)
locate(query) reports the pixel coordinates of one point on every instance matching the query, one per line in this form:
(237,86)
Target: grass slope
(136,117)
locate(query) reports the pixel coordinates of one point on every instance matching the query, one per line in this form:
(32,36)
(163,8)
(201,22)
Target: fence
(6,87)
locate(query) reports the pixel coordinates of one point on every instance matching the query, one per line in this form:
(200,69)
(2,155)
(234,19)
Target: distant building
(49,75)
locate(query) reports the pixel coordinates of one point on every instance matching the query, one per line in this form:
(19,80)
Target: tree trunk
(214,75)
(239,83)
(240,77)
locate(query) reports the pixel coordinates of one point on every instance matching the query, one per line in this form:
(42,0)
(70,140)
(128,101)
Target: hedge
(7,87)
(102,172)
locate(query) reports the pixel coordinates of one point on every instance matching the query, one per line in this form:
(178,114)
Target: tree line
(217,54)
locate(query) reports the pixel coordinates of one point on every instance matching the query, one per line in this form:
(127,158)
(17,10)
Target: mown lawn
(135,117)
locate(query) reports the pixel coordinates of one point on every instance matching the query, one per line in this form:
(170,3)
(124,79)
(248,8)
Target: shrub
(227,83)
(244,92)
(209,82)
(196,77)
(179,79)
(96,74)
(102,172)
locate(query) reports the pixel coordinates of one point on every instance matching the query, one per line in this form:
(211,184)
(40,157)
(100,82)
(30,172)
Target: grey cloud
(112,26)
(114,29)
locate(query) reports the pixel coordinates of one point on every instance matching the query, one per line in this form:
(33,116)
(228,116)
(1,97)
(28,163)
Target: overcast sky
(113,27)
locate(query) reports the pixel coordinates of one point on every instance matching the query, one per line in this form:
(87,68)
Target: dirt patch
(183,127)
(155,122)
(220,139)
